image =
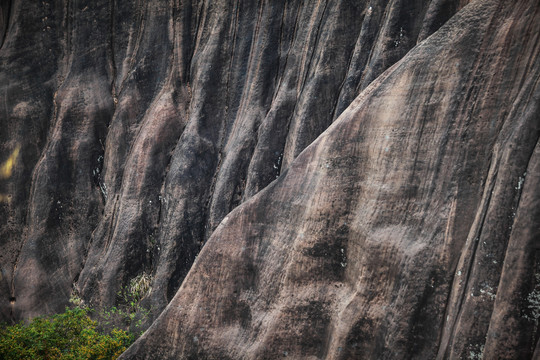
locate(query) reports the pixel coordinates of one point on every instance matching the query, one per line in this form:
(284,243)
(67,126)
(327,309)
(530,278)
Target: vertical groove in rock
(27,91)
(5,13)
(62,196)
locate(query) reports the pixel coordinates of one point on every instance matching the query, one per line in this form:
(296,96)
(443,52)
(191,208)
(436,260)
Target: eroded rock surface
(409,228)
(141,125)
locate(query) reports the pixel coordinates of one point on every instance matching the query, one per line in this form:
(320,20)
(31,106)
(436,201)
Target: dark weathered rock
(147,122)
(29,56)
(408,229)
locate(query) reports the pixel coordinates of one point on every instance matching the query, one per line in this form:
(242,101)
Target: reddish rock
(142,125)
(408,229)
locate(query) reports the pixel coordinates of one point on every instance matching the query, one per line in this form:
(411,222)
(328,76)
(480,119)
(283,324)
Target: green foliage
(71,335)
(129,313)
(138,287)
(81,332)
(122,317)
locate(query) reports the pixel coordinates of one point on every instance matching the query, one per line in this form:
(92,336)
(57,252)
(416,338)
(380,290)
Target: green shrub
(128,314)
(71,335)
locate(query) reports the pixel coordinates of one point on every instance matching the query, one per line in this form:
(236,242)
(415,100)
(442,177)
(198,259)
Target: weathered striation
(385,156)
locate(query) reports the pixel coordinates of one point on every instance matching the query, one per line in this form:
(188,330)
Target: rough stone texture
(141,125)
(408,229)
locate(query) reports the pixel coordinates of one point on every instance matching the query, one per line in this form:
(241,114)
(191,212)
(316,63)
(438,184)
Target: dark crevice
(335,115)
(5,12)
(133,57)
(314,48)
(201,14)
(293,37)
(113,66)
(447,304)
(301,88)
(223,132)
(469,267)
(382,20)
(279,47)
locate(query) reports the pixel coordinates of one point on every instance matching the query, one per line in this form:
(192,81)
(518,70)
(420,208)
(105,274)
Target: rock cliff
(314,179)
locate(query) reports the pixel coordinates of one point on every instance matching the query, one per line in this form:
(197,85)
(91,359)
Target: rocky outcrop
(142,125)
(409,228)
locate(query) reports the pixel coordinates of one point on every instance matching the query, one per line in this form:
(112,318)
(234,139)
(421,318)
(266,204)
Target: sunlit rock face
(341,179)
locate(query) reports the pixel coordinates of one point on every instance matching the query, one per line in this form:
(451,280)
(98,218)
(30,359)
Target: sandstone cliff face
(142,125)
(409,228)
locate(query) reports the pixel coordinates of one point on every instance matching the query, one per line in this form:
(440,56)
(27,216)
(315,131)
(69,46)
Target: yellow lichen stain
(6,169)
